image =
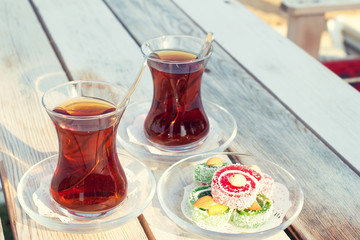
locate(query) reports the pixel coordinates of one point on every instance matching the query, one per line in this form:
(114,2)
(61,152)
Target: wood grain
(28,66)
(266,127)
(162,227)
(93,43)
(320,99)
(247,73)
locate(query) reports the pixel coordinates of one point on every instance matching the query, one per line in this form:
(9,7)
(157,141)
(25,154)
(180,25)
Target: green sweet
(204,173)
(198,193)
(250,218)
(202,217)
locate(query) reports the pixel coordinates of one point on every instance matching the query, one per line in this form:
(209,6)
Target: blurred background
(339,48)
(270,12)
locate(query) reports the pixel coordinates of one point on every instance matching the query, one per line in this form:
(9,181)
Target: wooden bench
(306,20)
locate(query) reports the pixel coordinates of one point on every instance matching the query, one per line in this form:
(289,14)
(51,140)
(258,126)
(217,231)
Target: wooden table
(288,107)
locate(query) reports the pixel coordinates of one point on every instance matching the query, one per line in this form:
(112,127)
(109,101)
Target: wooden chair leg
(305,31)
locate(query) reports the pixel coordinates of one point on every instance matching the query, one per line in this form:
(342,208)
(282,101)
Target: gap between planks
(51,41)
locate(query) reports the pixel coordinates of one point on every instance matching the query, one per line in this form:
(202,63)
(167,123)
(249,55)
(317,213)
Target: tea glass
(176,120)
(88,181)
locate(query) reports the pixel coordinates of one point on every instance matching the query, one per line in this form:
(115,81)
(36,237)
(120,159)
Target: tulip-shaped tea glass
(89,180)
(176,120)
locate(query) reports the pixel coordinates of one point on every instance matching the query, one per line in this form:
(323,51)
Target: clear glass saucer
(131,134)
(173,188)
(34,196)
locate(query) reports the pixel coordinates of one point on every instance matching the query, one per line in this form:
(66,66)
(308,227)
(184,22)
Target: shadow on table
(25,156)
(5,222)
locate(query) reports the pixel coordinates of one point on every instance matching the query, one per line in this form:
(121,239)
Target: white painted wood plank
(239,96)
(93,43)
(118,58)
(321,99)
(265,127)
(269,132)
(28,66)
(161,226)
(94,24)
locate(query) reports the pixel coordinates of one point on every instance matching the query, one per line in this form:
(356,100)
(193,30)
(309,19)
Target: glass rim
(74,82)
(176,62)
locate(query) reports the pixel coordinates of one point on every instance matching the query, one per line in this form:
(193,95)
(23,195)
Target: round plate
(175,180)
(34,196)
(132,137)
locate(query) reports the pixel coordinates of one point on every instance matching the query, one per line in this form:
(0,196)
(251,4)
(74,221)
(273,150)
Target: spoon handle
(132,88)
(207,45)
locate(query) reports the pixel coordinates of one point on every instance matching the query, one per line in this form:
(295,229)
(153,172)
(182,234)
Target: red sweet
(267,185)
(239,197)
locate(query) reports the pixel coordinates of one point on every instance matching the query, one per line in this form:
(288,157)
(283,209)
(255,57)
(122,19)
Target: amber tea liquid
(176,117)
(88,177)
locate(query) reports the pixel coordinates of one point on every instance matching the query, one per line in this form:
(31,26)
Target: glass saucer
(177,181)
(34,196)
(132,137)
